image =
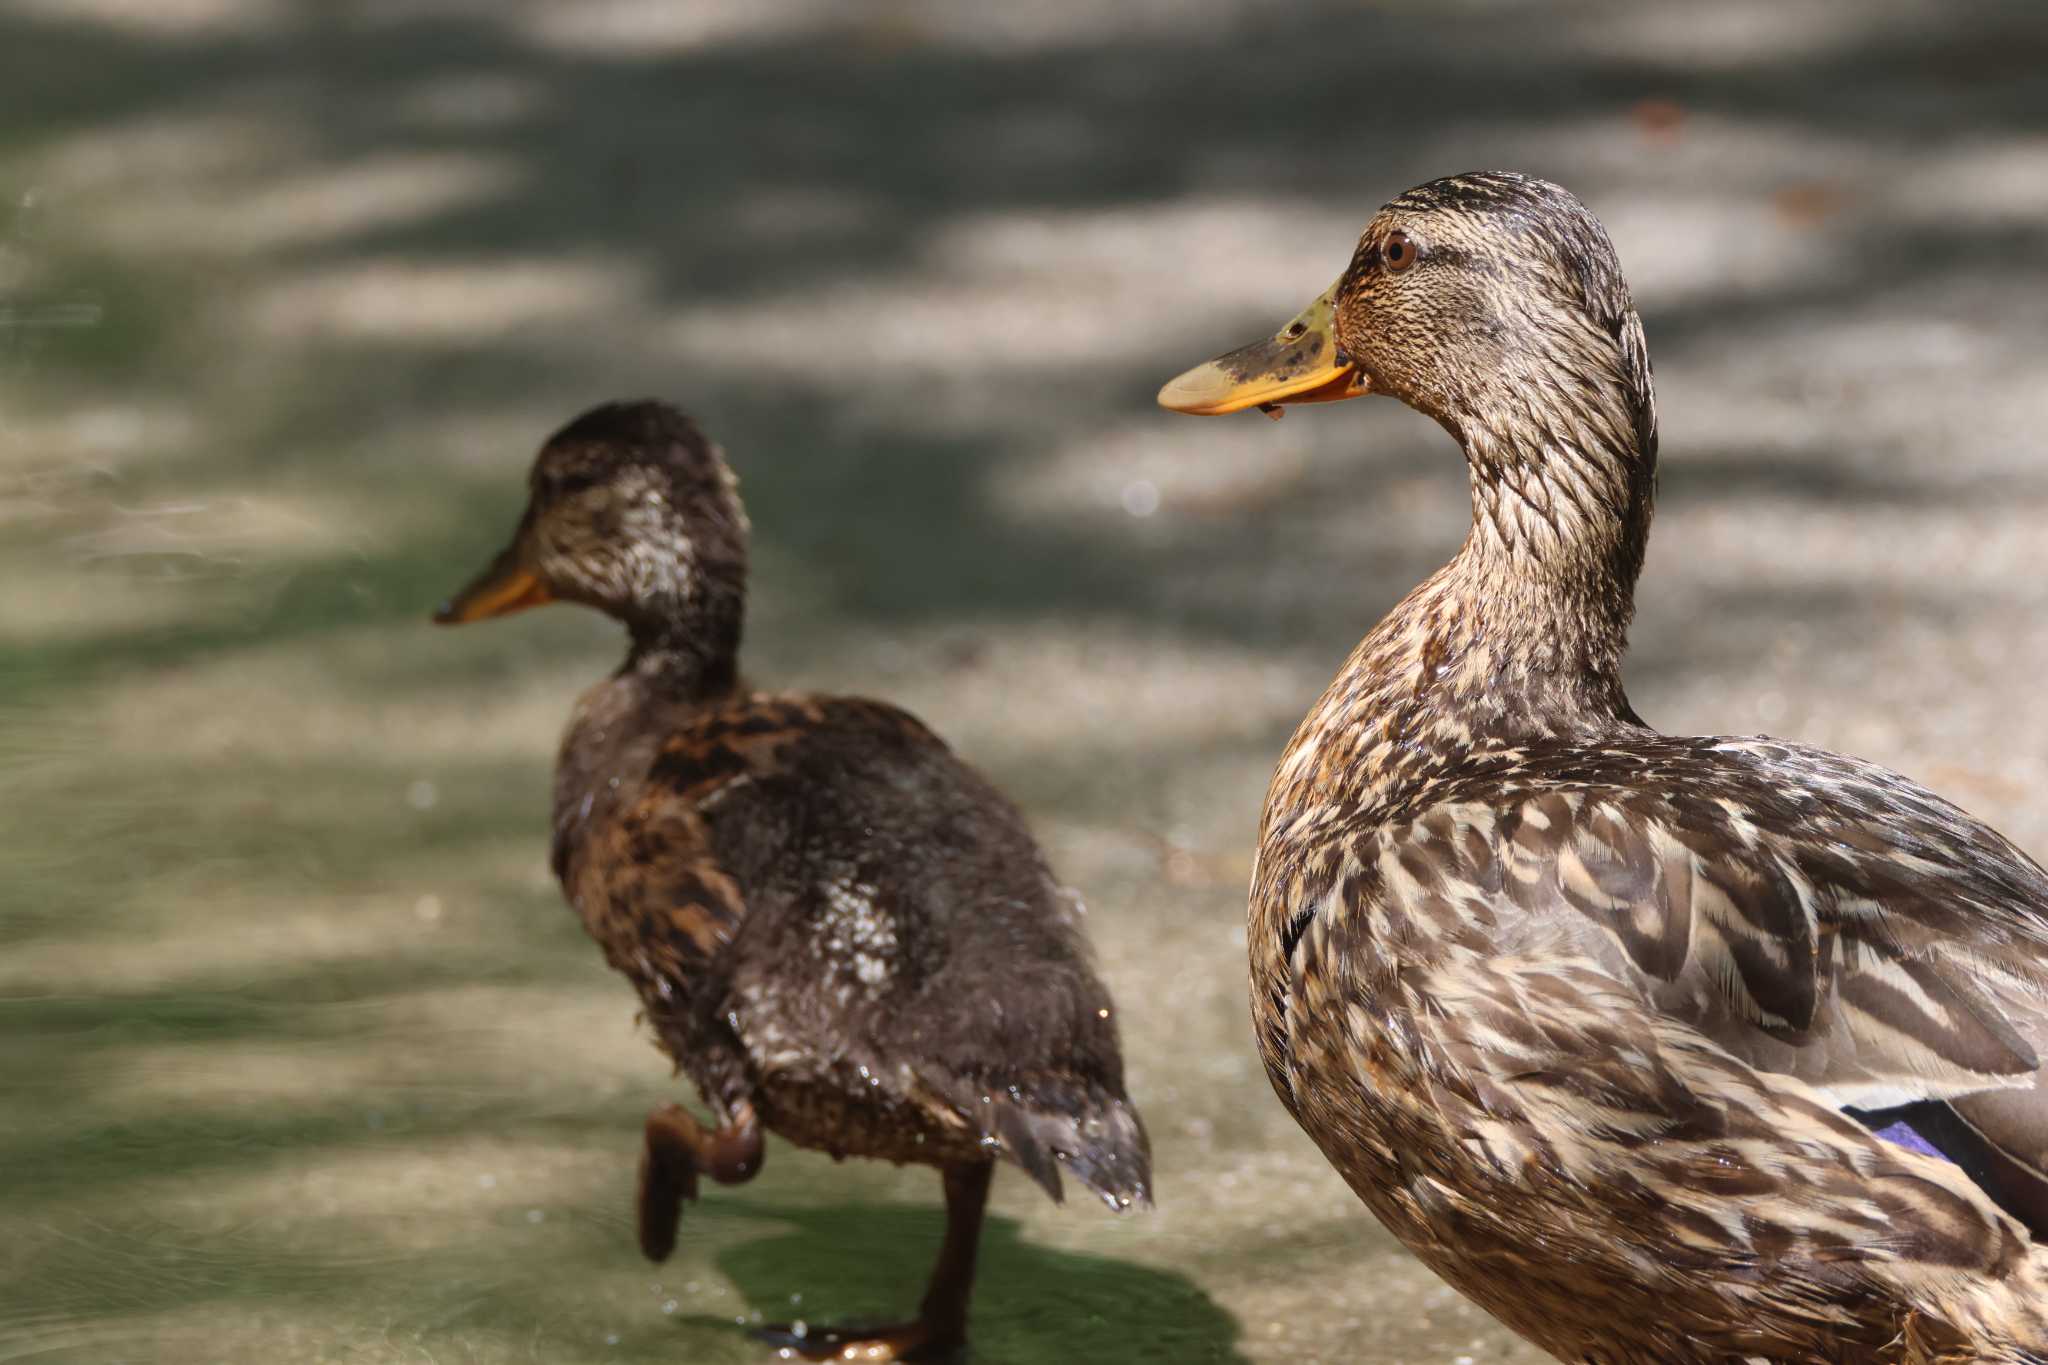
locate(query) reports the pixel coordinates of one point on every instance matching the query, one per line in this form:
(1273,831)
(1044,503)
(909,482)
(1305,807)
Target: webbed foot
(677,1147)
(897,1341)
(940,1331)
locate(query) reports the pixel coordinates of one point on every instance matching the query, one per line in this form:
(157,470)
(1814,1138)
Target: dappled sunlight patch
(1030,295)
(1716,245)
(326,204)
(1825,375)
(1960,549)
(510,1243)
(167,151)
(1733,35)
(495,444)
(56,463)
(168,1085)
(1132,471)
(1060,25)
(1325,1296)
(52,603)
(1100,690)
(393,298)
(222,529)
(1235,250)
(423,1194)
(120,560)
(181,19)
(215,938)
(645,29)
(217,1076)
(1992,181)
(560,1048)
(292,704)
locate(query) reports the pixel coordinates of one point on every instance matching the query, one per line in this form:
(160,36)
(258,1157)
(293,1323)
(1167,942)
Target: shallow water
(300,1056)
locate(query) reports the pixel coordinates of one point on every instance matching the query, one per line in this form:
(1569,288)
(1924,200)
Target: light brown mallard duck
(839,931)
(1600,1022)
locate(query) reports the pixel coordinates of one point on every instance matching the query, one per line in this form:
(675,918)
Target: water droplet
(428,908)
(1102,1014)
(795,1299)
(668,1305)
(422,795)
(611,1338)
(1140,497)
(487,1181)
(799,1329)
(536,1216)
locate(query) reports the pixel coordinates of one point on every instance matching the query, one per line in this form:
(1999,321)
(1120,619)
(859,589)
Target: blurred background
(300,1055)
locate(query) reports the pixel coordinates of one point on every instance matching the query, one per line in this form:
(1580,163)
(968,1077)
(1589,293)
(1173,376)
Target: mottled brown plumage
(1582,1011)
(839,931)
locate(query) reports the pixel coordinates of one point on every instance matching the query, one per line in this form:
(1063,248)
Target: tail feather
(1104,1146)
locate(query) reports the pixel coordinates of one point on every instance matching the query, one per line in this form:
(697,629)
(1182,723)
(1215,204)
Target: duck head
(1492,301)
(631,510)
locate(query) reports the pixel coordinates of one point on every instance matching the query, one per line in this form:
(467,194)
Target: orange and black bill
(503,588)
(1301,363)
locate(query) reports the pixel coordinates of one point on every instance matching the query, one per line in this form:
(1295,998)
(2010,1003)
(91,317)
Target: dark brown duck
(1588,1015)
(839,931)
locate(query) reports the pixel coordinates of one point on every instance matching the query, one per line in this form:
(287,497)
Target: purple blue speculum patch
(1902,1133)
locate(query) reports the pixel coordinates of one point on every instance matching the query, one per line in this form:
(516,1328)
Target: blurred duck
(840,932)
(1665,1049)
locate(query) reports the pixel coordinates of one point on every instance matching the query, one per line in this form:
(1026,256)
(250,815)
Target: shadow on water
(866,1263)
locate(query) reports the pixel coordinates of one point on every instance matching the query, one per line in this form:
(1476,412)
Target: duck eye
(568,485)
(1399,253)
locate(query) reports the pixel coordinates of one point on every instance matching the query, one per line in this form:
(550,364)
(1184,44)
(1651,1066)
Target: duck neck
(1518,639)
(618,726)
(1543,588)
(694,665)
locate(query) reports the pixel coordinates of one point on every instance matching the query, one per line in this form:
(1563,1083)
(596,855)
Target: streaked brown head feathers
(1504,315)
(631,510)
(1503,282)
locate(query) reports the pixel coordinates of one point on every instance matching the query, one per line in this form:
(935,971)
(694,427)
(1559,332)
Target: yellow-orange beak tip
(1301,363)
(500,590)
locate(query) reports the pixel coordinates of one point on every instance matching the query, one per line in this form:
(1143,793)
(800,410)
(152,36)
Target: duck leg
(678,1147)
(940,1328)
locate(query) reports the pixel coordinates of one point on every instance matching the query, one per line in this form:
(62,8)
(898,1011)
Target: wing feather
(1812,914)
